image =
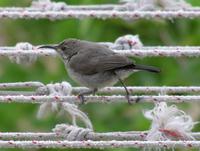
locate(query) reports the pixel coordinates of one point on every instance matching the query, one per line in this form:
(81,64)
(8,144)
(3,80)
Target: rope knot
(71,133)
(25,59)
(169,123)
(61,89)
(149,5)
(47,5)
(128,42)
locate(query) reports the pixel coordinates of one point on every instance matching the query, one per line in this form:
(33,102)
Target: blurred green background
(116,117)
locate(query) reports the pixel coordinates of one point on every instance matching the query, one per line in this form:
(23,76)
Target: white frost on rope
(24,59)
(47,5)
(169,123)
(71,133)
(150,5)
(63,89)
(128,42)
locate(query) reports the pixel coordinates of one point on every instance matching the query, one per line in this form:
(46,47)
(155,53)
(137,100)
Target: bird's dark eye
(63,48)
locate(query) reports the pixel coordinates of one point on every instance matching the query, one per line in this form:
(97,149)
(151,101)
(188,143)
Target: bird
(95,66)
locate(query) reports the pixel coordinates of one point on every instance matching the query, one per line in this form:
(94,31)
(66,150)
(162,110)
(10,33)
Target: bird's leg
(127,92)
(82,94)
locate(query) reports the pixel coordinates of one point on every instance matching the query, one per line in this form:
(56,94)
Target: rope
(100,144)
(112,90)
(146,90)
(67,7)
(48,5)
(140,52)
(71,133)
(24,58)
(131,5)
(98,99)
(62,89)
(21,85)
(127,15)
(123,6)
(41,89)
(119,136)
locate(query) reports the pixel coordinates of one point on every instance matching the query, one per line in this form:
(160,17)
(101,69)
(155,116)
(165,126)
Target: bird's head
(65,49)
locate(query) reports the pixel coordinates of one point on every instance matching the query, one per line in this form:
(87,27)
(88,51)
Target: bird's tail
(147,68)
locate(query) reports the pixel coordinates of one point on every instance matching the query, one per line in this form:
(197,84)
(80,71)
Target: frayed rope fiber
(23,58)
(169,123)
(48,5)
(61,108)
(71,133)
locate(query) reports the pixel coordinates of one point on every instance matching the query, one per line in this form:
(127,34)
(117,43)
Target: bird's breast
(98,80)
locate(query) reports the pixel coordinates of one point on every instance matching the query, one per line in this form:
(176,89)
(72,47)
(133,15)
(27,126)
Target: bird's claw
(82,98)
(131,101)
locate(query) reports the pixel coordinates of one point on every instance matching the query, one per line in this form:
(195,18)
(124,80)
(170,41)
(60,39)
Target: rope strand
(99,99)
(140,52)
(100,144)
(119,136)
(127,15)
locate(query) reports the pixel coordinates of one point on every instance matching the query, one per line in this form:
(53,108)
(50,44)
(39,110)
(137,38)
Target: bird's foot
(131,101)
(82,98)
(81,95)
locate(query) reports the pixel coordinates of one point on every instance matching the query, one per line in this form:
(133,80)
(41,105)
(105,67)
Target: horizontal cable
(99,99)
(101,14)
(25,93)
(96,7)
(107,90)
(71,7)
(89,136)
(146,90)
(140,52)
(100,144)
(132,135)
(117,90)
(142,89)
(21,85)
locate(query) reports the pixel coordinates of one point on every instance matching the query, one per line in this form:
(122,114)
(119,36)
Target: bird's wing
(94,61)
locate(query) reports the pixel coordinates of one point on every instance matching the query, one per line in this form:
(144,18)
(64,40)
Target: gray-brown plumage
(96,66)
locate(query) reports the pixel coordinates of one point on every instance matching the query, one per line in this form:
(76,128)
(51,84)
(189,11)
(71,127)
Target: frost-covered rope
(100,144)
(99,99)
(80,14)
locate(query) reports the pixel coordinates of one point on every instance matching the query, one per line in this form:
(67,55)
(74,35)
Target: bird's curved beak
(55,47)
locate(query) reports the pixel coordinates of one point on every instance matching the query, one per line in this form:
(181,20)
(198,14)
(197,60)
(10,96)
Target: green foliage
(185,71)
